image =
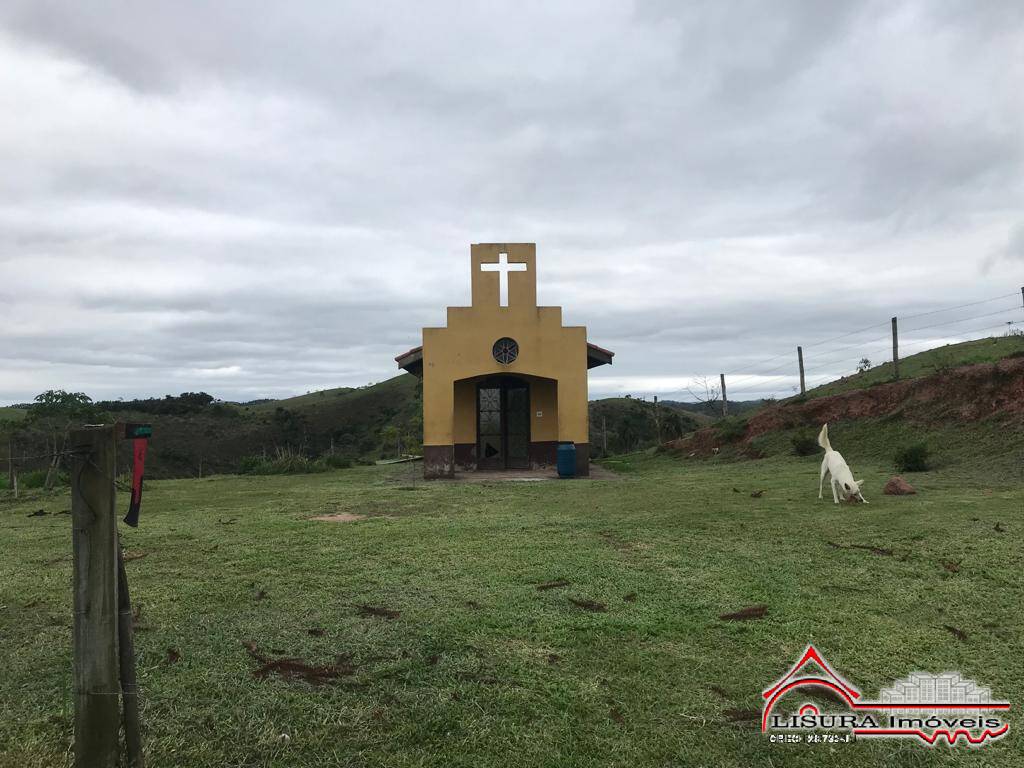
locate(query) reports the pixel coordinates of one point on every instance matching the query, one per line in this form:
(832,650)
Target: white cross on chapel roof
(503,267)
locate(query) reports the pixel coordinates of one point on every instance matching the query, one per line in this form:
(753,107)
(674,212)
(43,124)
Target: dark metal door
(517,425)
(490,428)
(503,424)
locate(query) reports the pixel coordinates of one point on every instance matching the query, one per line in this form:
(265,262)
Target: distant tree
(290,426)
(863,365)
(56,403)
(55,411)
(390,440)
(708,394)
(195,400)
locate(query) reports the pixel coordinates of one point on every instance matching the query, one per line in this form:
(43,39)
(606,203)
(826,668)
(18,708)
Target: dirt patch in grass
(620,545)
(588,605)
(882,551)
(297,669)
(959,634)
(746,614)
(378,611)
(340,517)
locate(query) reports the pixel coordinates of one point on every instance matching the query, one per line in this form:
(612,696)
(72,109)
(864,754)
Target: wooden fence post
(725,398)
(800,360)
(895,351)
(126,653)
(94,541)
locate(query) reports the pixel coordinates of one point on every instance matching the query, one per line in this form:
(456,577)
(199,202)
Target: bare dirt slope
(960,395)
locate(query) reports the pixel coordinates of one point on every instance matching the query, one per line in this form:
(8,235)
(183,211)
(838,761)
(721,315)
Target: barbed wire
(960,306)
(764,386)
(763,376)
(50,455)
(960,320)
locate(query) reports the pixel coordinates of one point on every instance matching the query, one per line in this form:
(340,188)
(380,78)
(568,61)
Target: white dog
(839,472)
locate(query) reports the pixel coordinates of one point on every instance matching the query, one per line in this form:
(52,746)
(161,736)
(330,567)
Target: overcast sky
(262,199)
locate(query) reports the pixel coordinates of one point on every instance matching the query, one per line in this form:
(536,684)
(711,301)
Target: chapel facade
(504,382)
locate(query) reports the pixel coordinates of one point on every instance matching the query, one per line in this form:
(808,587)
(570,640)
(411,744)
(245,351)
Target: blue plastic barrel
(567,459)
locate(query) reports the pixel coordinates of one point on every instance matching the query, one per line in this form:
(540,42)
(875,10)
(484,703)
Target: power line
(763,387)
(765,373)
(963,319)
(809,346)
(959,306)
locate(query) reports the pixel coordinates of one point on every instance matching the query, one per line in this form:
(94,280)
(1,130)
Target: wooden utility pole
(896,350)
(800,360)
(95,651)
(725,398)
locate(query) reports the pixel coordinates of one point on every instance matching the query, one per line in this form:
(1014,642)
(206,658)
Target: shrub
(731,429)
(805,445)
(913,458)
(249,464)
(35,478)
(334,461)
(286,462)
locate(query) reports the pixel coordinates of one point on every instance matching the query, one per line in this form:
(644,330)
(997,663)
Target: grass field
(9,413)
(479,667)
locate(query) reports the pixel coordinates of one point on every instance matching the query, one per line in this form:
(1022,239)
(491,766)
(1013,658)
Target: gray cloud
(262,200)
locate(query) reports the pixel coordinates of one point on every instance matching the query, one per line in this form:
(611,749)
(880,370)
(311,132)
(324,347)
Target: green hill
(928,362)
(193,434)
(622,424)
(964,403)
(12,413)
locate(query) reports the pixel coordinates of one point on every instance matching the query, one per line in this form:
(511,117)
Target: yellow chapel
(505,382)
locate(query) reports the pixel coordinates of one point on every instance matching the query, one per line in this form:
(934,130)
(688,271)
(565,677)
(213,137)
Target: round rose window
(505,351)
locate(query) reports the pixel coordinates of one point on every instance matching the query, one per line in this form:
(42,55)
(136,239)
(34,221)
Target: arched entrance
(503,423)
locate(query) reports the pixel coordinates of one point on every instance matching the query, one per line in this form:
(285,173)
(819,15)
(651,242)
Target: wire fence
(780,375)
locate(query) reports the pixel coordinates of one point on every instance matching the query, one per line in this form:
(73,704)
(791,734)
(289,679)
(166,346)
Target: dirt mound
(897,486)
(963,394)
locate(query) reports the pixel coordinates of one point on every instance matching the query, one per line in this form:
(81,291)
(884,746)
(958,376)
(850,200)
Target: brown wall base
(442,460)
(543,453)
(438,461)
(582,459)
(465,456)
